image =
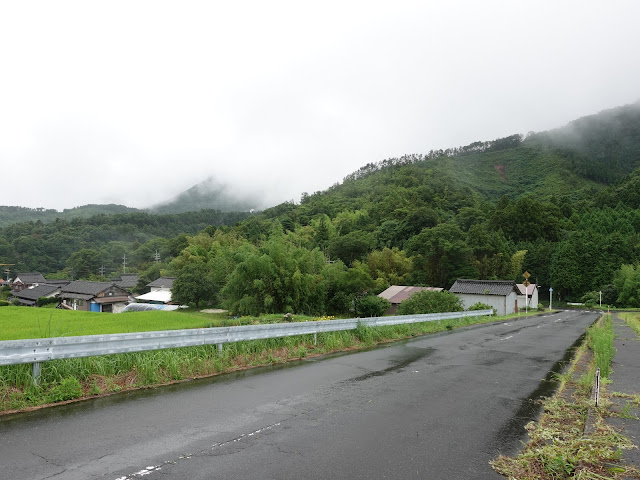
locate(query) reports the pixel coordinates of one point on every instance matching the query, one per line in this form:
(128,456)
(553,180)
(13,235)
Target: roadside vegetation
(571,440)
(633,320)
(71,379)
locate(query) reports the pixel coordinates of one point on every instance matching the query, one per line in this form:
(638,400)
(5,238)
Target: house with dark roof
(162,283)
(127,281)
(502,295)
(29,296)
(396,294)
(94,296)
(27,280)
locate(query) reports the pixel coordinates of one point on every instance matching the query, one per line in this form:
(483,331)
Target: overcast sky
(132,102)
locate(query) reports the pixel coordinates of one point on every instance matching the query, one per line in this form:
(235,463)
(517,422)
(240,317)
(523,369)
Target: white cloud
(133,102)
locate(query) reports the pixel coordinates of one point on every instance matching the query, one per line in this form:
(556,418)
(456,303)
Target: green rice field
(22,322)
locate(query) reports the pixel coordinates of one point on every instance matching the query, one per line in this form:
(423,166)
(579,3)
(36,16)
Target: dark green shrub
(372,306)
(430,302)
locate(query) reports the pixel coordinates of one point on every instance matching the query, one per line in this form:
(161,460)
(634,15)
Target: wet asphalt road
(435,407)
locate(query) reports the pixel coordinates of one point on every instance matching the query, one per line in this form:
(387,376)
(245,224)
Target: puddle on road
(507,440)
(414,355)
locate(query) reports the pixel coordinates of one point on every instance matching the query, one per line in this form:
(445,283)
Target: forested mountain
(208,194)
(564,205)
(9,215)
(80,247)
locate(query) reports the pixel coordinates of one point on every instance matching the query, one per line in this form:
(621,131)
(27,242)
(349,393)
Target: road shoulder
(624,389)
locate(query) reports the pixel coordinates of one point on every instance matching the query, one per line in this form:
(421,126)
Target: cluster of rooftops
(505,296)
(110,296)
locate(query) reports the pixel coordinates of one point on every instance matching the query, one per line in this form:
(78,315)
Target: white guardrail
(14,352)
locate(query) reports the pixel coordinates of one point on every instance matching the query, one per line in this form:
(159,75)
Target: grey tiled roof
(484,287)
(30,278)
(166,282)
(36,292)
(85,287)
(127,280)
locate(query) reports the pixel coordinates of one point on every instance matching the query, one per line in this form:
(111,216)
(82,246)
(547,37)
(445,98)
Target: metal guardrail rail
(15,352)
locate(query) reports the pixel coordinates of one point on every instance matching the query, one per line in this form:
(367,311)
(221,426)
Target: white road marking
(149,470)
(141,473)
(507,338)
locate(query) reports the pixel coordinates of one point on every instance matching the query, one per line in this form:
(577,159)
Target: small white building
(502,295)
(160,291)
(528,296)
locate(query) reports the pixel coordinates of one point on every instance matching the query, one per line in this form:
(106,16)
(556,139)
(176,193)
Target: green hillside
(9,214)
(563,205)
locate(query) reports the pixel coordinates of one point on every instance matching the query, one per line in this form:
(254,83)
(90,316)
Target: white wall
(503,305)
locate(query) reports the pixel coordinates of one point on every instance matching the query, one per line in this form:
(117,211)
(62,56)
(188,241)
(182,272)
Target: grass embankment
(84,377)
(558,446)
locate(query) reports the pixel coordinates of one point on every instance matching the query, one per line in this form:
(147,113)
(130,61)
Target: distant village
(33,290)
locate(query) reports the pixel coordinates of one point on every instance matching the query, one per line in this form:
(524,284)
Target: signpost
(526,284)
(600,292)
(550,298)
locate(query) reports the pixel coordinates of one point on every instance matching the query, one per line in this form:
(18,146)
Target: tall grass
(600,340)
(633,320)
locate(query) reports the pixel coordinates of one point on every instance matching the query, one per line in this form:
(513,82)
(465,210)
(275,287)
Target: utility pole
(124,263)
(156,257)
(7,270)
(102,271)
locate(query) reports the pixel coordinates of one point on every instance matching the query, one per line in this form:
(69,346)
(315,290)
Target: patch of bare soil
(501,169)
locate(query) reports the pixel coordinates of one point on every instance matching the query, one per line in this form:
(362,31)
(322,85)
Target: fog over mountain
(134,103)
(210,193)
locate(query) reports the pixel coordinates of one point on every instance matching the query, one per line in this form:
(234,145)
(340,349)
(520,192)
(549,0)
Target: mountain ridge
(576,160)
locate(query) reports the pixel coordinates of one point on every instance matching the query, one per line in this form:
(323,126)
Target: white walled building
(502,295)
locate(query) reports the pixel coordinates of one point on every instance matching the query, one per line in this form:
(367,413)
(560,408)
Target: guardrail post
(219,348)
(36,373)
(315,338)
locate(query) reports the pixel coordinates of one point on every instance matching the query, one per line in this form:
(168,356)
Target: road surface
(434,407)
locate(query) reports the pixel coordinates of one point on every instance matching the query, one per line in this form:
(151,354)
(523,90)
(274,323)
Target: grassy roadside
(558,447)
(64,380)
(633,320)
